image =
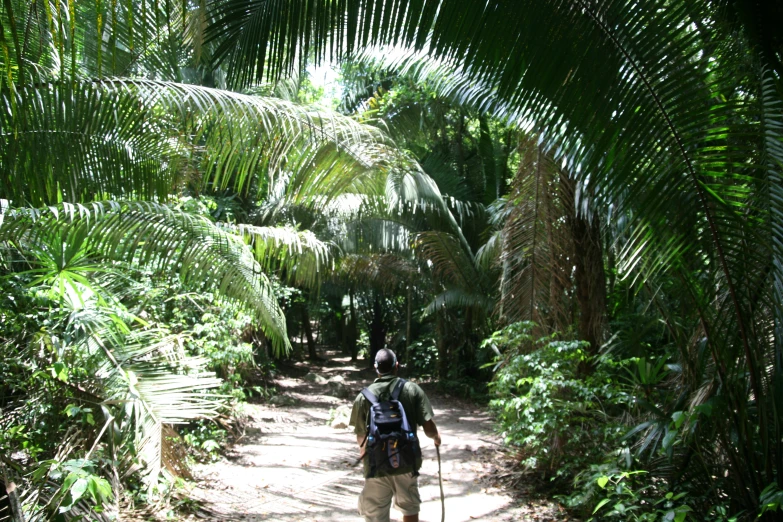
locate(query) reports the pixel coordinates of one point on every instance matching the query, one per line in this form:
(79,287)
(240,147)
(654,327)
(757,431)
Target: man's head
(385,362)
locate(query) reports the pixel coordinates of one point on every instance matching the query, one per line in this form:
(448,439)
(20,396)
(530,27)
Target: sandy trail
(291,465)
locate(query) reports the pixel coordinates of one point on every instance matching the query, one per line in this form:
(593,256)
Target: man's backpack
(391,444)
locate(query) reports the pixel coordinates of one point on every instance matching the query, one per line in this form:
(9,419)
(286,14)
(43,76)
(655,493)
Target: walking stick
(440,482)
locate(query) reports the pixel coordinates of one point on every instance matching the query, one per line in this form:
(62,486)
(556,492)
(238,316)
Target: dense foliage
(597,182)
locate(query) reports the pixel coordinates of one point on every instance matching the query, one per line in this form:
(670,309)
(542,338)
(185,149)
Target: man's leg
(375,499)
(406,496)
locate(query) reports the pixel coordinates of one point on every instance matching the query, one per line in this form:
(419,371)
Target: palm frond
(450,263)
(300,255)
(146,379)
(461,299)
(378,234)
(84,140)
(442,171)
(385,272)
(537,252)
(488,254)
(60,39)
(153,236)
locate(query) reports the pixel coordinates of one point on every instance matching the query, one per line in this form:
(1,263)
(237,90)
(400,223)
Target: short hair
(385,360)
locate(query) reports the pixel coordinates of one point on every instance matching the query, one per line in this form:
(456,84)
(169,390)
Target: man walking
(401,483)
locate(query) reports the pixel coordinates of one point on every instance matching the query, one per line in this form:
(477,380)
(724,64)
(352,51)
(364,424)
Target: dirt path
(291,465)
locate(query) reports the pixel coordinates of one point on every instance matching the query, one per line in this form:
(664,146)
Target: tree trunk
(471,339)
(353,333)
(9,498)
(408,321)
(308,330)
(318,330)
(487,153)
(590,279)
(469,332)
(502,172)
(377,329)
(561,245)
(440,339)
(341,323)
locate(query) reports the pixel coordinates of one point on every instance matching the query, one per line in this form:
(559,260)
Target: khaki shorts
(376,497)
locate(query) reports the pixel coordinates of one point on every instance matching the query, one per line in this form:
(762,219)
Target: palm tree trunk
(555,320)
(590,279)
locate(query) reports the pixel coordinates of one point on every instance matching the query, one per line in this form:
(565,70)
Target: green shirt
(413,399)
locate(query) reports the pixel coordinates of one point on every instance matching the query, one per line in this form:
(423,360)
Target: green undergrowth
(574,422)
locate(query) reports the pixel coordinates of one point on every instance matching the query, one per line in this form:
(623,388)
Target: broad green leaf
(78,489)
(601,504)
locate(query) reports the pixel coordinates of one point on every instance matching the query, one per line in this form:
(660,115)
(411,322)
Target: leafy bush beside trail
(556,418)
(576,423)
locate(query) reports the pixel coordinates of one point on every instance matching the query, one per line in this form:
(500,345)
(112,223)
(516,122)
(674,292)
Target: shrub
(422,357)
(553,415)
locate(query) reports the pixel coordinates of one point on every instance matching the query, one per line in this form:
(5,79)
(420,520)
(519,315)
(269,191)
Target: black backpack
(391,444)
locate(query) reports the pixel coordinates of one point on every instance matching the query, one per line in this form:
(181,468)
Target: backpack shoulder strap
(397,389)
(370,396)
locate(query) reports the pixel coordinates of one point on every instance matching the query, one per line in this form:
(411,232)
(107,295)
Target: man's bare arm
(431,431)
(362,445)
